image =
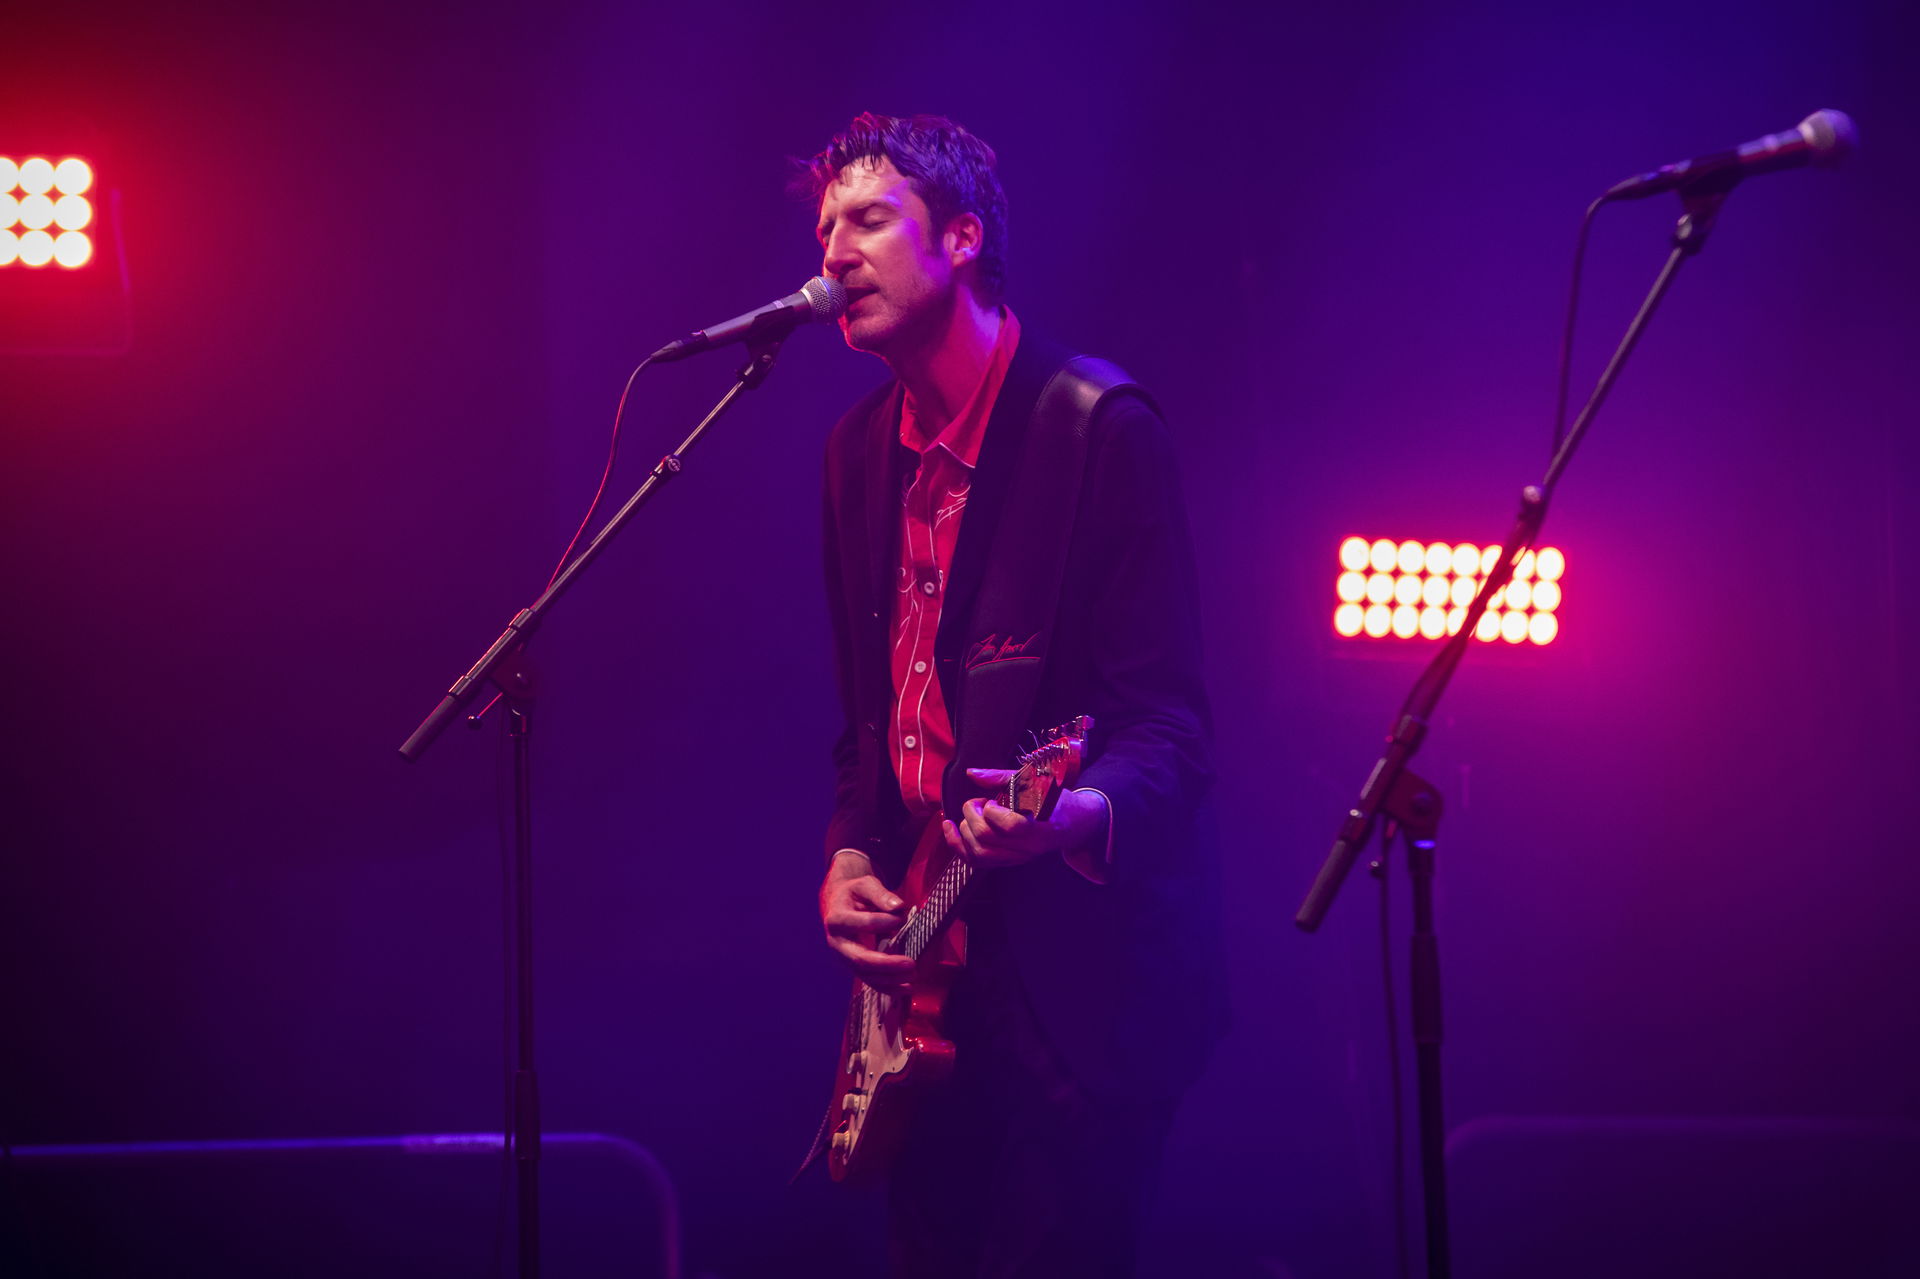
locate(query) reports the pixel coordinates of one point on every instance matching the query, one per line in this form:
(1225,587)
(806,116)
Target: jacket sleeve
(1141,679)
(848,825)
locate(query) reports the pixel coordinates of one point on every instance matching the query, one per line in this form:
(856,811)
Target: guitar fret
(931,916)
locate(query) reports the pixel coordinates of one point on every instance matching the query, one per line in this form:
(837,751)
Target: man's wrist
(1091,819)
(1091,852)
(838,868)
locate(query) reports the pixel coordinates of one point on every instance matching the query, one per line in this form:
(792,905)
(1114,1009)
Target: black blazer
(1071,592)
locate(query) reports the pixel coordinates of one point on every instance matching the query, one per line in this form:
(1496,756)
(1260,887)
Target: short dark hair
(949,168)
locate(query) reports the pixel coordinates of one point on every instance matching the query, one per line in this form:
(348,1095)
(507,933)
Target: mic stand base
(1413,810)
(523,1086)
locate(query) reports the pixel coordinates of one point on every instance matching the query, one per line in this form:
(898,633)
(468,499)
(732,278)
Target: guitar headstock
(1048,768)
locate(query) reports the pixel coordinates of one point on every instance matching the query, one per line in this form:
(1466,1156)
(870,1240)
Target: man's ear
(964,240)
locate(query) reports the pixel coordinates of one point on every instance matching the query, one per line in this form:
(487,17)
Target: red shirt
(932,501)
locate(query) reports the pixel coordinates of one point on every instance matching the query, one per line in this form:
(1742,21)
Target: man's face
(877,238)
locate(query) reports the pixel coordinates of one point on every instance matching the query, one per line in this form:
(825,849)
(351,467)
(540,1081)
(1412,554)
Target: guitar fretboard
(930,916)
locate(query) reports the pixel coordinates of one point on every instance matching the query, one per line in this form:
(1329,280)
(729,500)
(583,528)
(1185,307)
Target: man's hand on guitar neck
(855,908)
(991,834)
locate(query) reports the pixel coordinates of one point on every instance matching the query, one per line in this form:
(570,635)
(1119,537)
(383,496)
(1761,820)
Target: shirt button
(909,741)
(919,668)
(928,587)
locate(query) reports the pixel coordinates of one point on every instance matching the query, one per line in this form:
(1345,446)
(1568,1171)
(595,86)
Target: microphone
(1823,138)
(821,298)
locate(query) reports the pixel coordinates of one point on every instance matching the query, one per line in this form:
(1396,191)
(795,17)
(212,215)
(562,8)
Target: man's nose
(838,258)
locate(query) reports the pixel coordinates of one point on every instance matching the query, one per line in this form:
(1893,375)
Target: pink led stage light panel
(45,212)
(1402,589)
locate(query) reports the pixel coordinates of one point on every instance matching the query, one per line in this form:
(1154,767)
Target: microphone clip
(1701,203)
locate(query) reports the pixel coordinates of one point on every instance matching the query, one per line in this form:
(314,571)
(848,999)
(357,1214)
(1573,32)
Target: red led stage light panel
(45,212)
(65,283)
(1402,589)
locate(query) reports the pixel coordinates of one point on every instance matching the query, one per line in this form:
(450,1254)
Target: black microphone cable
(1566,337)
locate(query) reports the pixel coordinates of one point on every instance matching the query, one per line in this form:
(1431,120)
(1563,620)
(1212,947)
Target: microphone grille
(1830,134)
(828,296)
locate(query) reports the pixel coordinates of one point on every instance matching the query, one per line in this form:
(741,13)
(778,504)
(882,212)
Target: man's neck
(942,371)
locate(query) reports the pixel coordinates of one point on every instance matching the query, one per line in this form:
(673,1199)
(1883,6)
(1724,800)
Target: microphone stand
(1413,806)
(504,665)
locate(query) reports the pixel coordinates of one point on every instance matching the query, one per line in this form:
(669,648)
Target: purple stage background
(389,270)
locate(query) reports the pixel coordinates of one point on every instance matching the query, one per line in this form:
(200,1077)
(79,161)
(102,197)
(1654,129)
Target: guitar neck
(931,916)
(1033,790)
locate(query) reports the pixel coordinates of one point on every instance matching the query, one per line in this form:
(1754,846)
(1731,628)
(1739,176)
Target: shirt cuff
(1094,864)
(834,856)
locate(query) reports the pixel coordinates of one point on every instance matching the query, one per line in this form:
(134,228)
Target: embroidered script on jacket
(1000,648)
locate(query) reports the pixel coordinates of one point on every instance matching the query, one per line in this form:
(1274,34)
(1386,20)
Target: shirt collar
(962,436)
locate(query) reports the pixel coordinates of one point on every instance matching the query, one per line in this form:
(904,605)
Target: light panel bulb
(1407,589)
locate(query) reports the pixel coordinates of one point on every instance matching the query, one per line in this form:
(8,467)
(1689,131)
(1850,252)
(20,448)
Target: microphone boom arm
(494,664)
(1410,805)
(1410,726)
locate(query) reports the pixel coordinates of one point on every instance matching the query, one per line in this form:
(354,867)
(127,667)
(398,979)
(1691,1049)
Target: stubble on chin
(869,336)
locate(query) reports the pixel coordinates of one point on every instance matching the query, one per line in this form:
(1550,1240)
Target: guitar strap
(1019,595)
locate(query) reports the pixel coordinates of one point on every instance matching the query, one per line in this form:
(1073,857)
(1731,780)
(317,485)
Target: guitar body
(894,1047)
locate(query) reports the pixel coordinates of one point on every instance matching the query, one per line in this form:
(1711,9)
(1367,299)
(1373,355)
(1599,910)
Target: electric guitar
(894,1046)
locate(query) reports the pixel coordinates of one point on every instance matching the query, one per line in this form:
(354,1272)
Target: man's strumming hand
(855,907)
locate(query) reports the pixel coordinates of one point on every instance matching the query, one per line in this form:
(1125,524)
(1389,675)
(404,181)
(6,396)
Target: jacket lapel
(1000,453)
(883,474)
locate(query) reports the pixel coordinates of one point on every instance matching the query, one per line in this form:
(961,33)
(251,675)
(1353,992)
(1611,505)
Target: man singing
(1006,549)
